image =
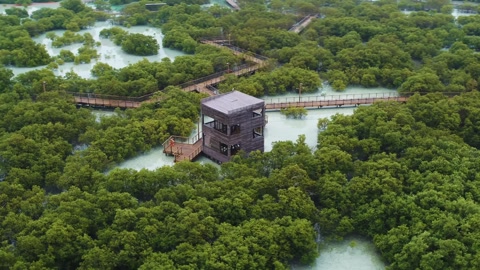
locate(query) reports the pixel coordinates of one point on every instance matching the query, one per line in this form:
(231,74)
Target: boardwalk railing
(331,103)
(214,76)
(87,96)
(190,156)
(203,84)
(183,148)
(329,97)
(340,100)
(221,42)
(302,24)
(103,96)
(181,140)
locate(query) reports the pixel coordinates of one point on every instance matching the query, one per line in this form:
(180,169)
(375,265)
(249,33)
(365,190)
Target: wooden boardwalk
(233,4)
(298,27)
(183,148)
(202,85)
(259,59)
(330,102)
(93,100)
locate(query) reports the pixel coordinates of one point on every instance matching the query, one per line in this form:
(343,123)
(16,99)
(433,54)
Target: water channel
(279,128)
(110,53)
(455,13)
(351,253)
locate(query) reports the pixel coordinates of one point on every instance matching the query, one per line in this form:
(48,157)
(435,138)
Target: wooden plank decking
(200,85)
(298,27)
(184,151)
(204,85)
(189,151)
(106,102)
(330,102)
(183,148)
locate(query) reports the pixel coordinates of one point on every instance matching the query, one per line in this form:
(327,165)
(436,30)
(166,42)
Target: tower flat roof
(231,102)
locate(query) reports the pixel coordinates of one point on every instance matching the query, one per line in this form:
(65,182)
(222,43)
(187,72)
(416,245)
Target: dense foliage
(404,175)
(139,44)
(136,44)
(137,79)
(294,112)
(18,49)
(59,210)
(369,44)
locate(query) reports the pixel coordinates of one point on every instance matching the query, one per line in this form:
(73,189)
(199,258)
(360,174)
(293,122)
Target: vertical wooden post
(300,92)
(198,126)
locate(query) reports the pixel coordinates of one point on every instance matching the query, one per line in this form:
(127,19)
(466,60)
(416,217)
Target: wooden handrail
(258,62)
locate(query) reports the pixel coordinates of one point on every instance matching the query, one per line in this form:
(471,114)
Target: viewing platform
(183,148)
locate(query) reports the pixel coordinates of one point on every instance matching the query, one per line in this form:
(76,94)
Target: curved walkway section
(302,24)
(202,85)
(206,85)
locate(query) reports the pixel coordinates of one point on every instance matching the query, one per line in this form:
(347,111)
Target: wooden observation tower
(232,122)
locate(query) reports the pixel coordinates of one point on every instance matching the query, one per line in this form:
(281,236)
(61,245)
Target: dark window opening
(235,129)
(234,149)
(257,113)
(258,132)
(224,149)
(220,126)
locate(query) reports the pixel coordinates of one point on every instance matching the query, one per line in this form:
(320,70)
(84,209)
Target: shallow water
(109,52)
(102,113)
(222,3)
(150,160)
(31,8)
(352,253)
(280,128)
(155,159)
(455,13)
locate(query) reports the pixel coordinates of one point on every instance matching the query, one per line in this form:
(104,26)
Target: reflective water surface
(353,253)
(109,52)
(455,13)
(279,128)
